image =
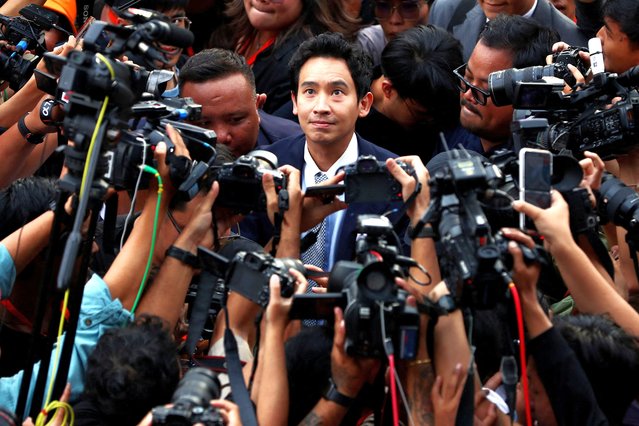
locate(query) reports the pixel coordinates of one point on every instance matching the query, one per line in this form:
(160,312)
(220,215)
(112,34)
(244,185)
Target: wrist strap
(29,136)
(183,256)
(332,394)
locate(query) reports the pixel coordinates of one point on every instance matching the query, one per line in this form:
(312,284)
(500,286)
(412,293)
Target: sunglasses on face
(408,10)
(481,96)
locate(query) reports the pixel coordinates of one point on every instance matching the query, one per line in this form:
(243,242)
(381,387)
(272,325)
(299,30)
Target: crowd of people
(312,95)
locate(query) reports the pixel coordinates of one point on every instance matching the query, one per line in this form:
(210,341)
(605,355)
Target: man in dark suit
(330,80)
(466,21)
(222,82)
(509,41)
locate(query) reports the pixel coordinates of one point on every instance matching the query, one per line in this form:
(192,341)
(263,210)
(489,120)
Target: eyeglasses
(181,21)
(480,95)
(408,10)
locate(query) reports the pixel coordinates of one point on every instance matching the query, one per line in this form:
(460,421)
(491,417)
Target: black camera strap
(240,393)
(278,218)
(200,311)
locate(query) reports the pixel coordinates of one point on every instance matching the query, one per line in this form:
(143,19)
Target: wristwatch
(332,394)
(426,232)
(32,138)
(444,306)
(183,256)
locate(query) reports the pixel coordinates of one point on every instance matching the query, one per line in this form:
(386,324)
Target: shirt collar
(310,167)
(529,14)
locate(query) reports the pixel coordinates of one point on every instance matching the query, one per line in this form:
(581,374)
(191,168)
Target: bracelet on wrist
(28,135)
(183,256)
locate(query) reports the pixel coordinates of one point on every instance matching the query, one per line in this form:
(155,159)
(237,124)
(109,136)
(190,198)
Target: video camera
(191,401)
(21,34)
(584,120)
(474,260)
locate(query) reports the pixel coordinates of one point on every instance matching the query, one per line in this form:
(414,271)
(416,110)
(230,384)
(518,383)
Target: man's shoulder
(365,147)
(274,129)
(547,14)
(441,12)
(289,150)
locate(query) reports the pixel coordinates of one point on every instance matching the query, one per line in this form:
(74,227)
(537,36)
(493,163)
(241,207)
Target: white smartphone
(535,171)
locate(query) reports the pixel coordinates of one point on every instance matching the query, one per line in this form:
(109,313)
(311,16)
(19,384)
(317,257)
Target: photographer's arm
(17,152)
(270,388)
(591,292)
(12,7)
(422,249)
(165,297)
(127,270)
(348,374)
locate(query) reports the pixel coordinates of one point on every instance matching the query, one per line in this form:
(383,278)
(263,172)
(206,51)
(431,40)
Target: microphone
(596,56)
(169,34)
(509,379)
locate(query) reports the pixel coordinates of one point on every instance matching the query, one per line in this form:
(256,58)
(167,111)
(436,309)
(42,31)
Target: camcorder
(367,180)
(21,34)
(375,309)
(248,273)
(474,259)
(590,119)
(618,203)
(191,401)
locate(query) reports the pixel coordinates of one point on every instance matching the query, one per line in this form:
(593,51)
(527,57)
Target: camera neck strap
(240,393)
(278,218)
(200,310)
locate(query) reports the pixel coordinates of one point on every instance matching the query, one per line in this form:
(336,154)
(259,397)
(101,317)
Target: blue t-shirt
(98,313)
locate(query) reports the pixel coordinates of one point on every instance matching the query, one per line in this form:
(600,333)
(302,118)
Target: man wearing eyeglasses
(465,19)
(394,17)
(506,42)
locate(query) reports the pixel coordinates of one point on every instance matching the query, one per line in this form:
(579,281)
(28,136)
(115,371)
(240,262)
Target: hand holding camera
(411,184)
(553,223)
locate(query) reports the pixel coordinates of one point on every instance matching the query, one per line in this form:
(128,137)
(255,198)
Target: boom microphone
(169,34)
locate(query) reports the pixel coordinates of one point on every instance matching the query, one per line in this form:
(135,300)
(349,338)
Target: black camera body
(22,33)
(375,307)
(368,181)
(191,401)
(249,274)
(562,59)
(618,203)
(240,182)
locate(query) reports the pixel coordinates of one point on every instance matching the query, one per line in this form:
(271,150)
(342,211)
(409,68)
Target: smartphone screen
(535,171)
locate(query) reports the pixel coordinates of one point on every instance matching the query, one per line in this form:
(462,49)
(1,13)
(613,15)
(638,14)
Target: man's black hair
(24,200)
(528,41)
(626,14)
(213,64)
(334,45)
(132,370)
(609,357)
(420,63)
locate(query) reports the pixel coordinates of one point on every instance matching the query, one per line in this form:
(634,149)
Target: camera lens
(502,84)
(197,387)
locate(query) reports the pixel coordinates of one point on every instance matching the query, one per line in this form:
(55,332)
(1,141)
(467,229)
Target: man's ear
(365,104)
(260,100)
(294,100)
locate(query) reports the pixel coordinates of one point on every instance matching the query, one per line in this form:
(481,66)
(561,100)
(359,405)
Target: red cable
(391,364)
(522,350)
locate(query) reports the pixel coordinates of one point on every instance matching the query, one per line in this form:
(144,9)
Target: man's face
(327,104)
(229,108)
(396,16)
(492,8)
(267,15)
(618,51)
(488,121)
